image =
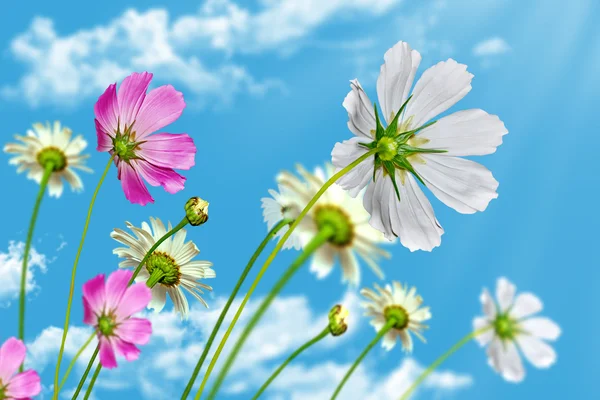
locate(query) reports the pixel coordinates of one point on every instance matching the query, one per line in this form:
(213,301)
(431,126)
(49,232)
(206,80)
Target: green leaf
(413,150)
(392,129)
(379,131)
(391,170)
(404,136)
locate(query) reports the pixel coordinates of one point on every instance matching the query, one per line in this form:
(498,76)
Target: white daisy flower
(174,257)
(397,302)
(54,144)
(354,235)
(281,205)
(413,148)
(513,326)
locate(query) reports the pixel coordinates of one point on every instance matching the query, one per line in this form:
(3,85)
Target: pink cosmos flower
(21,386)
(108,308)
(125,121)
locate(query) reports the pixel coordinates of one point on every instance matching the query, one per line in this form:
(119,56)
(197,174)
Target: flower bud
(337,320)
(196,211)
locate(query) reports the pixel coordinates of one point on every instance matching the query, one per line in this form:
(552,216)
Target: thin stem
(49,167)
(92,382)
(295,354)
(386,328)
(73,272)
(440,360)
(326,232)
(85,374)
(236,289)
(74,360)
(278,247)
(167,235)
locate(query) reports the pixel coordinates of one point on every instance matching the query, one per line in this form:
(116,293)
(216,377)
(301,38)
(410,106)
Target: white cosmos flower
(358,238)
(513,327)
(50,143)
(459,183)
(402,303)
(174,256)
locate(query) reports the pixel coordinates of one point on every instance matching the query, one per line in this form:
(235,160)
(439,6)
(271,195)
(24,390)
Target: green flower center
(399,314)
(165,264)
(106,325)
(52,155)
(388,148)
(506,328)
(124,144)
(340,221)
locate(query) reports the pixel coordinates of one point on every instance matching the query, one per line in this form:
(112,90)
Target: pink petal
(12,355)
(170,180)
(94,294)
(168,150)
(128,350)
(106,109)
(161,107)
(104,139)
(133,186)
(23,385)
(116,285)
(131,95)
(89,317)
(107,353)
(136,298)
(135,330)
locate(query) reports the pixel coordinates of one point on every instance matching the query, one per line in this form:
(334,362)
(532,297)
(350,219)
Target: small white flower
(412,150)
(47,143)
(397,302)
(356,236)
(174,256)
(513,327)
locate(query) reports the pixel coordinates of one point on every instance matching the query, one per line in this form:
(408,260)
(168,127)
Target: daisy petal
(161,107)
(107,353)
(543,328)
(170,180)
(135,299)
(486,337)
(12,355)
(465,133)
(134,188)
(361,117)
(505,293)
(131,95)
(322,261)
(24,385)
(350,267)
(526,305)
(539,353)
(489,307)
(463,185)
(116,286)
(396,78)
(104,139)
(173,151)
(159,298)
(106,110)
(135,330)
(505,359)
(94,294)
(344,154)
(438,89)
(126,349)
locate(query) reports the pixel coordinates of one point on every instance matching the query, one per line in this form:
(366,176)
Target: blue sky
(269,98)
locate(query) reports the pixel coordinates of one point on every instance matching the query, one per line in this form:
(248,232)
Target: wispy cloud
(491,47)
(10,271)
(66,69)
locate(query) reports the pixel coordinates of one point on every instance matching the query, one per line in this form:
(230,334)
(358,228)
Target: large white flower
(54,144)
(174,257)
(414,149)
(397,302)
(354,235)
(513,326)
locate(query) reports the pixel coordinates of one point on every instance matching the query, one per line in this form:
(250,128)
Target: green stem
(440,360)
(73,273)
(154,278)
(326,232)
(74,360)
(236,289)
(295,354)
(385,329)
(92,382)
(276,250)
(167,235)
(85,374)
(49,167)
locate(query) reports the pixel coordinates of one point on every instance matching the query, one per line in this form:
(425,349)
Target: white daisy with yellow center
(174,258)
(52,147)
(353,235)
(402,304)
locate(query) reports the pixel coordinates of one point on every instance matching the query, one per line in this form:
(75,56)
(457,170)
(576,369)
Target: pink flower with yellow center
(21,386)
(125,122)
(108,307)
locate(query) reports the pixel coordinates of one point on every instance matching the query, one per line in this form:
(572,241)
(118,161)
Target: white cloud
(10,271)
(491,47)
(65,69)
